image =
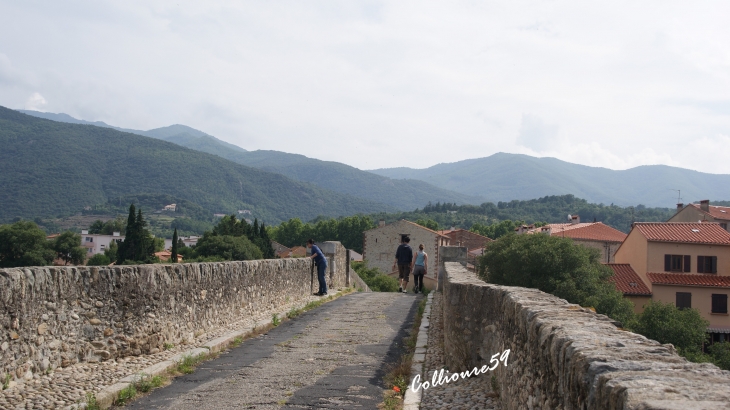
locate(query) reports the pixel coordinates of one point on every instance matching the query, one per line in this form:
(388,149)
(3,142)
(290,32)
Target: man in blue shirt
(321,262)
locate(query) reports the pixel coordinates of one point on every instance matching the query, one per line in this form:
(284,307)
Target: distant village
(684,261)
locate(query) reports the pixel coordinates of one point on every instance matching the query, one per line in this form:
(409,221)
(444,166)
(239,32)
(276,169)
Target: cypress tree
(173,256)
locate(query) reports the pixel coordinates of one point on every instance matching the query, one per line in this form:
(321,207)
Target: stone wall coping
(570,349)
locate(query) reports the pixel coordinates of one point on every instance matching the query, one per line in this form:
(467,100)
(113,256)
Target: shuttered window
(677,263)
(719,303)
(707,264)
(684,300)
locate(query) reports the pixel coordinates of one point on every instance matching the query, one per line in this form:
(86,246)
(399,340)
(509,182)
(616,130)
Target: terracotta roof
(689,279)
(627,281)
(717,212)
(591,231)
(710,233)
(298,251)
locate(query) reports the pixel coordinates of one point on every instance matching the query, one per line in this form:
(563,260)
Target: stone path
(332,357)
(472,393)
(66,386)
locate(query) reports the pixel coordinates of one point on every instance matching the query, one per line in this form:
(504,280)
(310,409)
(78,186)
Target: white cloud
(35,102)
(382,84)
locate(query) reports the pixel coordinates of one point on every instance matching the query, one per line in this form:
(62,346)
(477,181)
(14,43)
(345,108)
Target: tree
(555,265)
(68,248)
(111,251)
(231,248)
(24,244)
(686,329)
(173,251)
(720,353)
(138,244)
(99,259)
(428,223)
(108,227)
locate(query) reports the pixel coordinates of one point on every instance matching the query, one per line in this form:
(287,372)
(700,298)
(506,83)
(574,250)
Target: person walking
(321,263)
(404,260)
(419,269)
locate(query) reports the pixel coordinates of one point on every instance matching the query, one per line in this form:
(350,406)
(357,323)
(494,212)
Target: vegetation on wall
(376,280)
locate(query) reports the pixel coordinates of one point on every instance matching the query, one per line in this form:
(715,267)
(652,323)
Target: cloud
(35,102)
(536,134)
(363,82)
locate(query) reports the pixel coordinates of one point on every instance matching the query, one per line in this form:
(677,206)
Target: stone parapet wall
(58,316)
(564,356)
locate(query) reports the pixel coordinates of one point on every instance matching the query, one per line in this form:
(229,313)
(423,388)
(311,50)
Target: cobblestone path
(334,356)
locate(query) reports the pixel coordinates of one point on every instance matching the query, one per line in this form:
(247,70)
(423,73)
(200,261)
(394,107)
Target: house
(685,263)
(280,250)
(380,244)
(703,212)
(298,252)
(166,255)
(219,215)
(97,243)
(595,235)
(467,239)
(629,283)
(187,241)
(171,207)
(244,212)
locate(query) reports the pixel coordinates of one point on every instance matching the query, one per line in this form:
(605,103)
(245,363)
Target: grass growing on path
(399,374)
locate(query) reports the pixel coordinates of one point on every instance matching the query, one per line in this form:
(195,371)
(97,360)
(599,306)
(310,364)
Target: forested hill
(398,193)
(50,169)
(504,177)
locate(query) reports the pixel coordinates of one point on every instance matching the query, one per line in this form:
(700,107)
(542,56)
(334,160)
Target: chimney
(705,205)
(84,232)
(116,234)
(575,219)
(680,206)
(382,222)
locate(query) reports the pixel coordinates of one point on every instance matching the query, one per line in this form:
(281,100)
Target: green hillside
(50,169)
(504,177)
(335,176)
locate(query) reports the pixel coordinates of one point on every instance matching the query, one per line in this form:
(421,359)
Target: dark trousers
(321,270)
(418,282)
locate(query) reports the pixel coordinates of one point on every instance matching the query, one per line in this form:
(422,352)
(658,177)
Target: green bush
(720,354)
(555,265)
(376,280)
(98,260)
(686,329)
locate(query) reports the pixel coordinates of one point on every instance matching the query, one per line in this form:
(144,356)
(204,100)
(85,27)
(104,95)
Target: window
(719,303)
(724,225)
(684,300)
(89,239)
(677,263)
(707,264)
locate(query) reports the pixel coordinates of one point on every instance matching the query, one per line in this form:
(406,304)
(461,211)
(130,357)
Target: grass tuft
(126,395)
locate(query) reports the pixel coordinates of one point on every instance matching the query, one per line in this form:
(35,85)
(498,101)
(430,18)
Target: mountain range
(395,193)
(50,169)
(499,177)
(505,177)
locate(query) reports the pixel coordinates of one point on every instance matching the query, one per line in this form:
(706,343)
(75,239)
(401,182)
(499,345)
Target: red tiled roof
(710,233)
(627,281)
(689,279)
(717,212)
(591,231)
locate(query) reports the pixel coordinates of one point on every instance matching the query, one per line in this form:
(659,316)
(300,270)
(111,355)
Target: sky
(386,84)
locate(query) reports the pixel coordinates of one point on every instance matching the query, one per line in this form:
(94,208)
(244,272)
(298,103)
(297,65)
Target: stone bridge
(68,331)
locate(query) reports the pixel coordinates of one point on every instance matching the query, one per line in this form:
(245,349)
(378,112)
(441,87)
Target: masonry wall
(564,356)
(381,243)
(58,316)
